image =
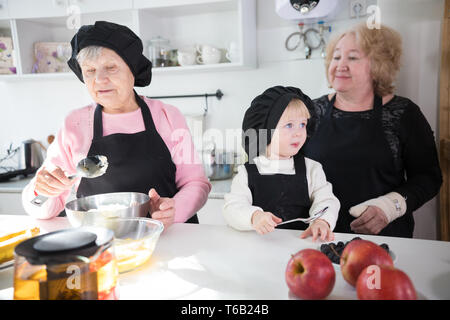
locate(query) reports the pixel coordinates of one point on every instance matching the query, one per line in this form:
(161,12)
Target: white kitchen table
(193,262)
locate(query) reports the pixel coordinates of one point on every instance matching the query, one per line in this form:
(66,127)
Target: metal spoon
(89,167)
(306,220)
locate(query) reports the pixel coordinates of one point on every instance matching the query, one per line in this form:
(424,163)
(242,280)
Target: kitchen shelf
(226,66)
(38,76)
(183,22)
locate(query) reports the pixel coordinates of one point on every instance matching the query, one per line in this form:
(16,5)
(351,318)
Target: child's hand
(319,227)
(264,222)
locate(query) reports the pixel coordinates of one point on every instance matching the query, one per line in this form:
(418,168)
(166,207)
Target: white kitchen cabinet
(11,203)
(11,196)
(211,213)
(215,23)
(184,22)
(20,9)
(33,9)
(90,6)
(5,28)
(56,29)
(4,9)
(145,4)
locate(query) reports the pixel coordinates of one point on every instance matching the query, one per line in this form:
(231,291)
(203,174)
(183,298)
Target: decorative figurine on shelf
(51,57)
(6,56)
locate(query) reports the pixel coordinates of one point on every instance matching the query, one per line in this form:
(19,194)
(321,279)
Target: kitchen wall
(420,22)
(35,109)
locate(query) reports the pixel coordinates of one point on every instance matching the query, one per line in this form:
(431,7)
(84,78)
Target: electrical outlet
(357,8)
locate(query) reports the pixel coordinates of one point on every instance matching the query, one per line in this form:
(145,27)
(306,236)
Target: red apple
(384,283)
(358,254)
(310,274)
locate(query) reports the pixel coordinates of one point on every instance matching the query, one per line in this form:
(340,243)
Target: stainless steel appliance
(219,164)
(30,156)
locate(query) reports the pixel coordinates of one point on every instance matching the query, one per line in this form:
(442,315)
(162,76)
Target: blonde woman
(377,149)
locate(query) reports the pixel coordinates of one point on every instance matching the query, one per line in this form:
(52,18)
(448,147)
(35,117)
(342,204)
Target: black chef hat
(264,113)
(115,37)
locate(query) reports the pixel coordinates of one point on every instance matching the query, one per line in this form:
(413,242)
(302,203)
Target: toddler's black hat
(264,113)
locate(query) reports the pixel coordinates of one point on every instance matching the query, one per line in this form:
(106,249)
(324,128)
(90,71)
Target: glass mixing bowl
(135,239)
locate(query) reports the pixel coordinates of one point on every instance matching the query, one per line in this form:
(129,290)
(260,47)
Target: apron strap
(98,123)
(146,115)
(251,168)
(377,105)
(299,164)
(330,107)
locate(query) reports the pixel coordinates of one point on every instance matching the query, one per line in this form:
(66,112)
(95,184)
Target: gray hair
(89,52)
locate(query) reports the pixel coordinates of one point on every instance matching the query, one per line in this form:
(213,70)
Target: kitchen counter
(15,185)
(219,187)
(216,262)
(11,196)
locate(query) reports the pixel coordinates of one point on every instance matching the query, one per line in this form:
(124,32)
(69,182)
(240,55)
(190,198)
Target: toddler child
(278,183)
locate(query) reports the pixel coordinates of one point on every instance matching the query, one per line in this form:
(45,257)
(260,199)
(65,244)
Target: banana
(12,240)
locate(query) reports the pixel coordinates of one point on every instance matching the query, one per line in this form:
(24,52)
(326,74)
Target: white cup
(233,52)
(209,58)
(207,49)
(186,58)
(232,56)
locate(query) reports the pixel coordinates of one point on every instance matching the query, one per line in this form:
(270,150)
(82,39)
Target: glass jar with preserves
(159,52)
(70,264)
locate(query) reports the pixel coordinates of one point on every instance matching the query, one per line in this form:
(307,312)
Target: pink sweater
(73,141)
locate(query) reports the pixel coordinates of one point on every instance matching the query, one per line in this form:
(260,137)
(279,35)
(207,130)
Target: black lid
(64,246)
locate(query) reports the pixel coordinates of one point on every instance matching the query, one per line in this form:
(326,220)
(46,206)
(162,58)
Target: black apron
(286,196)
(136,162)
(358,162)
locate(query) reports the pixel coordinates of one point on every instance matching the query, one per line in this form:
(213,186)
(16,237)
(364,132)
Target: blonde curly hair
(383,46)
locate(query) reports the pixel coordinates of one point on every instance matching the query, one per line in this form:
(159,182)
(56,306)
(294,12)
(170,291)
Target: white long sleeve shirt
(239,208)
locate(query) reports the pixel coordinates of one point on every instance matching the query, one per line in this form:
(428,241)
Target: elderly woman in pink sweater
(147,143)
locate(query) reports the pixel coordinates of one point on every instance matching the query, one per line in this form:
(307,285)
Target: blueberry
(385,247)
(340,244)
